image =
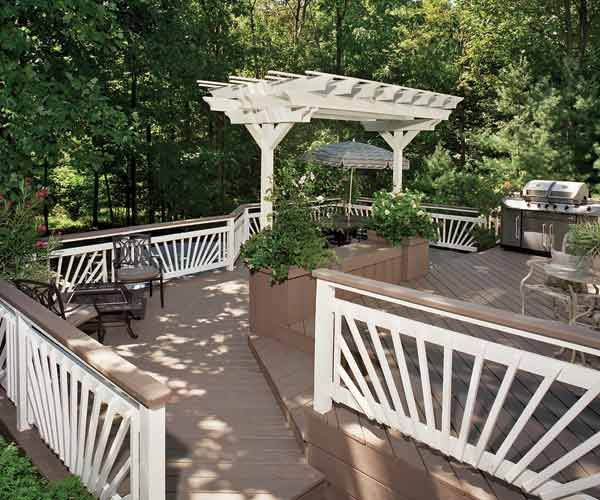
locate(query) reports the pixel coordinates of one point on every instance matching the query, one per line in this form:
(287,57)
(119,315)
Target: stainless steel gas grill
(540,217)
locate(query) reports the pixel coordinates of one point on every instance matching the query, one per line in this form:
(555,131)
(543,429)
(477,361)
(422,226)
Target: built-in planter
(286,310)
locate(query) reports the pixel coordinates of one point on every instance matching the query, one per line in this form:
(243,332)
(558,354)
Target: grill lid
(556,191)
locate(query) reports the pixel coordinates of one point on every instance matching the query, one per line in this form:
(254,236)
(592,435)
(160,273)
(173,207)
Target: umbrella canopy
(351,154)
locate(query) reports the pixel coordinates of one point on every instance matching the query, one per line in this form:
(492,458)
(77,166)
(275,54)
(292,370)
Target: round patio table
(579,304)
(344,226)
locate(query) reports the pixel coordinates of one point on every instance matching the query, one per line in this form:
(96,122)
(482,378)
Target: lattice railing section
(528,418)
(187,253)
(213,246)
(7,352)
(88,264)
(93,427)
(456,231)
(86,423)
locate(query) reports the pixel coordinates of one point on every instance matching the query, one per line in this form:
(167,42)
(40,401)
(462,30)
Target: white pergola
(269,107)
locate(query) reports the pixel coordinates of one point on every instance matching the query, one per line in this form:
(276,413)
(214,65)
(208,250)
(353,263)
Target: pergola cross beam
(269,107)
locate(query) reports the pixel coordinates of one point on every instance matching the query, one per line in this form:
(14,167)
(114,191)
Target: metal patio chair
(133,262)
(49,296)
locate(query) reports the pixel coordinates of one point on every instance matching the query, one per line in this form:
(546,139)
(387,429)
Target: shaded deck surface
(490,278)
(226,437)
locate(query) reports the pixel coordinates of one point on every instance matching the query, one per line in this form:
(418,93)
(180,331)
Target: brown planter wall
(286,311)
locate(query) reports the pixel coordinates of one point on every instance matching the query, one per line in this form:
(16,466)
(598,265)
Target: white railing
(409,372)
(192,246)
(98,429)
(455,225)
(197,245)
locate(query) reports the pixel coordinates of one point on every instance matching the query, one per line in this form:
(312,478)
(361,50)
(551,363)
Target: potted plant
(281,259)
(583,240)
(399,219)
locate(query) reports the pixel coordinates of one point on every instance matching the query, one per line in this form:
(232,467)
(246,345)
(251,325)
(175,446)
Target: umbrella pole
(348,206)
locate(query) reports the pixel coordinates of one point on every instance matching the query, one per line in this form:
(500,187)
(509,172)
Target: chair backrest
(46,294)
(131,250)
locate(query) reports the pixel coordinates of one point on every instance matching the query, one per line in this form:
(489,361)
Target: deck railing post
(19,341)
(246,225)
(231,244)
(152,481)
(324,348)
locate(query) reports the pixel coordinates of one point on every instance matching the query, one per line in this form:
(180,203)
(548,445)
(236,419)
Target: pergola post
(398,140)
(267,136)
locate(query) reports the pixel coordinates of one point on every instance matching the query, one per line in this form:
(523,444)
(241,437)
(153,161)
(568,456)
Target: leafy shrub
(23,254)
(442,181)
(20,480)
(294,238)
(485,237)
(397,216)
(584,239)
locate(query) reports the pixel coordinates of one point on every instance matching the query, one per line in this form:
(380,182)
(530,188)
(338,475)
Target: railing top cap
(138,384)
(546,328)
(140,228)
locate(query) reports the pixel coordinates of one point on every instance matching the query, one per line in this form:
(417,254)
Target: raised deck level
(367,460)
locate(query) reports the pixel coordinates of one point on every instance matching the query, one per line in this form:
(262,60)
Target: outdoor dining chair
(49,296)
(133,262)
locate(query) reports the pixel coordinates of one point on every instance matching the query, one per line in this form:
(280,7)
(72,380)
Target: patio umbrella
(353,155)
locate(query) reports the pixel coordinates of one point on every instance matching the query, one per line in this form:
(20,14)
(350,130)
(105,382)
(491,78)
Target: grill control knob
(566,207)
(546,205)
(554,207)
(589,209)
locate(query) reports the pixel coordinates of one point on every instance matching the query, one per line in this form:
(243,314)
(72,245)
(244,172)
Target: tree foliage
(98,100)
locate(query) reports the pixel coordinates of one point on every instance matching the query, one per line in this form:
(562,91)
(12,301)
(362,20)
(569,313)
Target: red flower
(42,194)
(27,181)
(41,244)
(42,228)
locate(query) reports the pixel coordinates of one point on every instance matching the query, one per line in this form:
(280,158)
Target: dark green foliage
(397,216)
(20,480)
(485,238)
(98,100)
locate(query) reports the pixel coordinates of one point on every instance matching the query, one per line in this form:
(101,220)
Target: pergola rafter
(398,113)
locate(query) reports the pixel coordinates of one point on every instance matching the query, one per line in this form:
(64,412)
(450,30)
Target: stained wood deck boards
(490,278)
(226,436)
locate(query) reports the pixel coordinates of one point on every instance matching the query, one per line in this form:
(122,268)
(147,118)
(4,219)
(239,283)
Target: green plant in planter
(485,237)
(294,238)
(584,239)
(396,216)
(23,251)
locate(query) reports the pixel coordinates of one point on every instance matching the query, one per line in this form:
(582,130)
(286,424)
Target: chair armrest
(537,261)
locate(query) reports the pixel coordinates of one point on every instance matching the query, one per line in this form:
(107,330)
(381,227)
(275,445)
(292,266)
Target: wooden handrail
(138,384)
(105,233)
(546,328)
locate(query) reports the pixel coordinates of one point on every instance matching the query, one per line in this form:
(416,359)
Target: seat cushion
(135,274)
(80,314)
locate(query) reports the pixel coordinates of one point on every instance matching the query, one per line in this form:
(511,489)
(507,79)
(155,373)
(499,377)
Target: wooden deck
(226,437)
(490,278)
(236,427)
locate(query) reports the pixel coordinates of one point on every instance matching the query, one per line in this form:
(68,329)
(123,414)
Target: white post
(152,482)
(267,136)
(324,346)
(246,225)
(19,343)
(231,244)
(266,180)
(398,140)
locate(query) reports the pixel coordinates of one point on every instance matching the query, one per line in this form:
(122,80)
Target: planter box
(286,310)
(415,262)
